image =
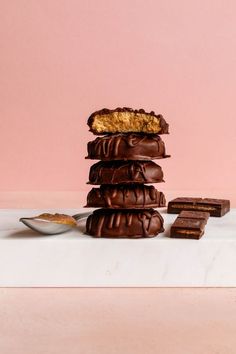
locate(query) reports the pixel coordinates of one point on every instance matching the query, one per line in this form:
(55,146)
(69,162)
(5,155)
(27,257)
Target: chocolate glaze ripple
(128,196)
(124,223)
(116,172)
(131,146)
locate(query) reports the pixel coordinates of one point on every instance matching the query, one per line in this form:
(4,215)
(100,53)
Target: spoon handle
(81,215)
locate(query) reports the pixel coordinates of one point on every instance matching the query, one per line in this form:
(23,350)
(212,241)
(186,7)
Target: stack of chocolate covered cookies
(128,143)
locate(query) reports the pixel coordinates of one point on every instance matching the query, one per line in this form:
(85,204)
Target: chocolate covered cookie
(131,146)
(126,120)
(124,223)
(116,172)
(129,196)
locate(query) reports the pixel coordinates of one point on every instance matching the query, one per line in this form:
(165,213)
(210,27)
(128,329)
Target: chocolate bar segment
(124,223)
(129,146)
(216,207)
(204,215)
(126,120)
(117,172)
(189,225)
(129,196)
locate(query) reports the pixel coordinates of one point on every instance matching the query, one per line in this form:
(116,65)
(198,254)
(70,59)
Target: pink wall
(60,60)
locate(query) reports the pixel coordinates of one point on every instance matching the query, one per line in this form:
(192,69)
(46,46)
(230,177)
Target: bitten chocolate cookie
(129,196)
(116,172)
(124,223)
(126,120)
(129,146)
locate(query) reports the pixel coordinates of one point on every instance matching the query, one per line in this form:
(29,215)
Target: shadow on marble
(167,231)
(25,234)
(82,228)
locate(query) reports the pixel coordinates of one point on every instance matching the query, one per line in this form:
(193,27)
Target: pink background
(61,60)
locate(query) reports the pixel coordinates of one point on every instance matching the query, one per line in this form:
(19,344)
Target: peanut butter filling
(187,232)
(194,207)
(58,218)
(125,122)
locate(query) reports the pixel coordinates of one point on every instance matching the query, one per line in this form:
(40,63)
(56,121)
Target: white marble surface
(74,259)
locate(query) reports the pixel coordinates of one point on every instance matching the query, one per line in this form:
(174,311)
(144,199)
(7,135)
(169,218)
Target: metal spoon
(49,227)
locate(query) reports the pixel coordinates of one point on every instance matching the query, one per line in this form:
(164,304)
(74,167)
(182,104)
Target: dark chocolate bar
(126,120)
(129,146)
(124,223)
(189,225)
(116,172)
(129,196)
(216,207)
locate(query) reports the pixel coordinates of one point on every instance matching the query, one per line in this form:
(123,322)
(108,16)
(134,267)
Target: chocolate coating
(131,146)
(216,207)
(163,127)
(124,223)
(115,172)
(189,224)
(129,196)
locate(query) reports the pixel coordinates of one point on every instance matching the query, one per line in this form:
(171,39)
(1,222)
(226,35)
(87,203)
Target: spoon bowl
(50,227)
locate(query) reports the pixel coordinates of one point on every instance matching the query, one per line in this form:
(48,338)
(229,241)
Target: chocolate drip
(111,221)
(137,170)
(129,219)
(107,223)
(100,224)
(131,146)
(125,196)
(125,172)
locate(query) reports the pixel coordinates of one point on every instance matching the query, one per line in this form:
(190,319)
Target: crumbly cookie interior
(125,122)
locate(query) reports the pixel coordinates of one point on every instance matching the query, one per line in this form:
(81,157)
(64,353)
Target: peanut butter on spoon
(58,218)
(52,224)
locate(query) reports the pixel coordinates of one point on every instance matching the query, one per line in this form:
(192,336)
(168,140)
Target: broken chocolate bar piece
(131,146)
(126,120)
(128,196)
(116,172)
(124,223)
(216,207)
(189,225)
